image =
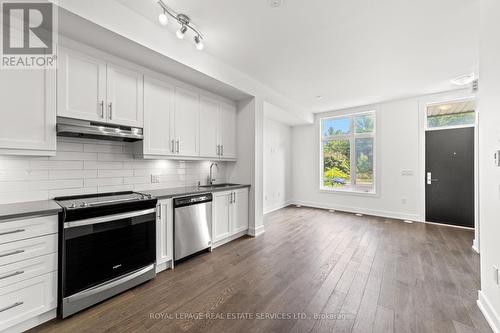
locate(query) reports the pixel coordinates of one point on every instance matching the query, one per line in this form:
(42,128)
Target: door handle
(102,109)
(110,110)
(430,179)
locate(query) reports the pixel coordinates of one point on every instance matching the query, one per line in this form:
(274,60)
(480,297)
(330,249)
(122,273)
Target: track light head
(198,41)
(163,18)
(181,32)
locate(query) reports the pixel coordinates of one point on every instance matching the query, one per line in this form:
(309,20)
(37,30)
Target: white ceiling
(352,52)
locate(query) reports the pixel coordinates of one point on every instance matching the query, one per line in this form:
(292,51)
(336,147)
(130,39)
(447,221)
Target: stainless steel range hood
(93,130)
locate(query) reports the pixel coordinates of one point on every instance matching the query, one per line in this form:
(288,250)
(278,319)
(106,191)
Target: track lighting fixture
(181,32)
(163,18)
(198,42)
(185,24)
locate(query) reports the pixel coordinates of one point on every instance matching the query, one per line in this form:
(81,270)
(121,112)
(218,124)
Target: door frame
(452,96)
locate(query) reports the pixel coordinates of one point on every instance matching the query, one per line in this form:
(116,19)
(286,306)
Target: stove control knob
(73,205)
(84,204)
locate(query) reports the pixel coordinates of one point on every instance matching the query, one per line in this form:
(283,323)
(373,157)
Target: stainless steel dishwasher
(192,225)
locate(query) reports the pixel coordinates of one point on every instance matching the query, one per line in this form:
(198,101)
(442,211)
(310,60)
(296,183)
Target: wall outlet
(155,179)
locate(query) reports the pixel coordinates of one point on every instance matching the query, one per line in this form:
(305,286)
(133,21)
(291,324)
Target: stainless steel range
(107,245)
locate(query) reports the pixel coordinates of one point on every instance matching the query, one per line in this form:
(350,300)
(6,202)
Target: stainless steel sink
(218,185)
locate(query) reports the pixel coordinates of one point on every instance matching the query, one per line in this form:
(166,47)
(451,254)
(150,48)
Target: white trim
(256,232)
(351,137)
(358,210)
(274,208)
(32,322)
(447,225)
(488,312)
(424,102)
(475,245)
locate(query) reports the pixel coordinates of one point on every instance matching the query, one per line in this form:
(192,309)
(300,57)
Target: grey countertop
(50,207)
(25,209)
(189,190)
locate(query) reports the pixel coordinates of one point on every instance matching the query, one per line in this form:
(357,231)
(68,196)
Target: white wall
(277,164)
(399,147)
(92,166)
(489,174)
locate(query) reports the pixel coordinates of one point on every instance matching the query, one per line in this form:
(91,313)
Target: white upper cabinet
(124,96)
(28,112)
(228,130)
(209,127)
(217,129)
(91,89)
(81,85)
(187,122)
(158,117)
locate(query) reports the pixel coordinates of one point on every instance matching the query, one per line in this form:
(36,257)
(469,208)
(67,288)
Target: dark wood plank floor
(315,270)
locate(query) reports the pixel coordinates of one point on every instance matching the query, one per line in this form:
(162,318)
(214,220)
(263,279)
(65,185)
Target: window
(348,153)
(451,114)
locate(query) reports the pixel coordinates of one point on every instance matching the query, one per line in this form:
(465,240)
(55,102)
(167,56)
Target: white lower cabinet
(229,215)
(164,235)
(28,272)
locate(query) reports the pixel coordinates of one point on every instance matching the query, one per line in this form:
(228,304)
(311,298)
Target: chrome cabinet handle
(102,109)
(217,150)
(178,147)
(110,110)
(234,200)
(11,253)
(159,211)
(172,146)
(11,275)
(12,232)
(222,150)
(11,306)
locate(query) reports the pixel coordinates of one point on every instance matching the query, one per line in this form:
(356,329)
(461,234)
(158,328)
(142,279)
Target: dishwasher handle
(192,200)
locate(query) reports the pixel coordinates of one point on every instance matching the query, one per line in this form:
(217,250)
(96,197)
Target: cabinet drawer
(14,230)
(28,248)
(27,269)
(27,299)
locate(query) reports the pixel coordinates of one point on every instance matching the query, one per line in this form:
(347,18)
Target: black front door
(449,165)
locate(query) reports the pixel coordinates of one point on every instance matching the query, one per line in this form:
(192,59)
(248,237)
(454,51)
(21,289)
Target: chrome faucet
(211,180)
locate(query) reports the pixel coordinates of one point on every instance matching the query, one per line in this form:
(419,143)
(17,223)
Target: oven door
(100,249)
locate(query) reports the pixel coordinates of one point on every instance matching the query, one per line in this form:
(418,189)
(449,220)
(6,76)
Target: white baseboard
(256,232)
(276,207)
(358,210)
(475,246)
(32,322)
(489,313)
(230,239)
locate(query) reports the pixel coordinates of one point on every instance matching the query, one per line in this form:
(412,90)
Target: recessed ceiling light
(463,80)
(275,3)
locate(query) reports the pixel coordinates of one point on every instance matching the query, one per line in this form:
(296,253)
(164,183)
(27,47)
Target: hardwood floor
(321,271)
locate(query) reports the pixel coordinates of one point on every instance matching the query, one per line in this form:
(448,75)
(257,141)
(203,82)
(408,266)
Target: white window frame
(446,101)
(352,136)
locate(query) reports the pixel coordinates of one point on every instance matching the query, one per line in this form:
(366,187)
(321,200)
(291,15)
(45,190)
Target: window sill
(348,192)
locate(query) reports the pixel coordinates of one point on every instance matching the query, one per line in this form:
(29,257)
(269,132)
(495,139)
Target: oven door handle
(107,218)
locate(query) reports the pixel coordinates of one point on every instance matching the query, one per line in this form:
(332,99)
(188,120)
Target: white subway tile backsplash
(103,182)
(84,166)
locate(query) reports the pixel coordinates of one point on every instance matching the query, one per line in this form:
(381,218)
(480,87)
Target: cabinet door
(239,214)
(164,232)
(28,112)
(228,130)
(158,114)
(81,86)
(124,96)
(186,120)
(209,121)
(221,219)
